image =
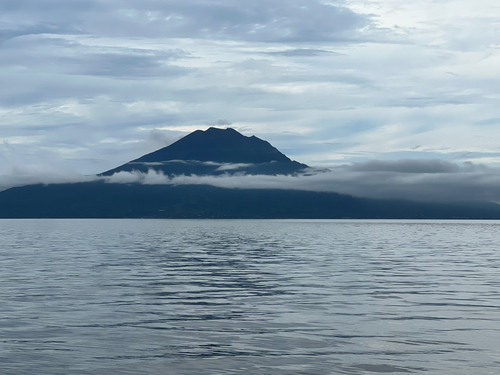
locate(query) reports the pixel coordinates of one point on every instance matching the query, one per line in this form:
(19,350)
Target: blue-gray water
(249,297)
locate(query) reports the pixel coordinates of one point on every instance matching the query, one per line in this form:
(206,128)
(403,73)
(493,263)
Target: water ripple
(242,297)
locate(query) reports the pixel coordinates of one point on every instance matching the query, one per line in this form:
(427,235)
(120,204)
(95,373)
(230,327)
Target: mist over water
(249,297)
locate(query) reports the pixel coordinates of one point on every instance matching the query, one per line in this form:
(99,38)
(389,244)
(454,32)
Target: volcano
(214,152)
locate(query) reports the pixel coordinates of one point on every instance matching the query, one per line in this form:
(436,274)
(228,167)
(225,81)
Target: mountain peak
(214,129)
(216,145)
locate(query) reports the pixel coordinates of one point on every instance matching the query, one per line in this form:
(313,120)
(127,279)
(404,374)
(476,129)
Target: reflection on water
(243,297)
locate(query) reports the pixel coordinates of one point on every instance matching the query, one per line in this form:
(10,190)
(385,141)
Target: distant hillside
(104,200)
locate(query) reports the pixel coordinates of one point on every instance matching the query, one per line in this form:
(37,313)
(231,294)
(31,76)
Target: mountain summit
(218,145)
(215,151)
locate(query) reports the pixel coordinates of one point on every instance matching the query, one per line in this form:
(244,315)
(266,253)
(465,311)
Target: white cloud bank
(431,180)
(424,180)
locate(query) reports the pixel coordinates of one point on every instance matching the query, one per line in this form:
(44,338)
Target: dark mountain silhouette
(212,152)
(103,200)
(216,151)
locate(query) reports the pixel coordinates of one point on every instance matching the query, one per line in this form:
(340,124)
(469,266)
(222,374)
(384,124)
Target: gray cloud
(18,170)
(62,56)
(129,65)
(270,20)
(263,21)
(412,166)
(220,122)
(41,28)
(160,139)
(302,52)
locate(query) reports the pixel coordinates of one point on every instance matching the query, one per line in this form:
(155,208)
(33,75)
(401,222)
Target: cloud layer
(412,179)
(430,180)
(89,85)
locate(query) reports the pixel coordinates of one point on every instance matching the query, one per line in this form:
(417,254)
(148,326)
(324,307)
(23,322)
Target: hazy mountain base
(104,200)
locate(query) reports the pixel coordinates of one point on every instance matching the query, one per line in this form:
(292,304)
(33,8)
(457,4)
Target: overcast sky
(90,84)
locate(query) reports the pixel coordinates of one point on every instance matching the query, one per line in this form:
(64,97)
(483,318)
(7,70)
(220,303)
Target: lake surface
(249,297)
